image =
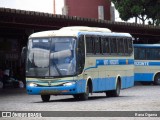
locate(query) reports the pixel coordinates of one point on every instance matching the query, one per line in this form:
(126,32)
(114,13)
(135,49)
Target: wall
(88,8)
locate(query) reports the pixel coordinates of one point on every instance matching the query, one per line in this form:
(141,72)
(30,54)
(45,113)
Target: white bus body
(78,61)
(147,63)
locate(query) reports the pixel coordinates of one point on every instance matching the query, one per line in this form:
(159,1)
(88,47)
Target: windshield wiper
(57,68)
(54,64)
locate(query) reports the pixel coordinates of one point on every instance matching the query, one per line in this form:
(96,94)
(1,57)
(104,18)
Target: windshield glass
(51,57)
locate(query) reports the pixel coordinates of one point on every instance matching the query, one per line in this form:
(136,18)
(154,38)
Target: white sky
(32,5)
(38,5)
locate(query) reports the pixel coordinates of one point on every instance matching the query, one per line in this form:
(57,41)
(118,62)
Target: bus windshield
(51,57)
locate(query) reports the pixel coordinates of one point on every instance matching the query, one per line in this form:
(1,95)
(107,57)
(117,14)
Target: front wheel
(77,97)
(157,80)
(116,92)
(85,96)
(45,98)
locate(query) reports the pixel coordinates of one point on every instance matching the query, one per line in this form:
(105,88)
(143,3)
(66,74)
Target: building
(97,9)
(17,25)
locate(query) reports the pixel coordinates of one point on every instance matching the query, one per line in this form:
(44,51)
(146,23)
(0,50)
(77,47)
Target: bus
(79,61)
(147,63)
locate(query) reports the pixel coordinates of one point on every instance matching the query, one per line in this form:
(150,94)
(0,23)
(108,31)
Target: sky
(38,5)
(32,5)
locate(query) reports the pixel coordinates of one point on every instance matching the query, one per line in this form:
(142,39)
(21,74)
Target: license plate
(50,92)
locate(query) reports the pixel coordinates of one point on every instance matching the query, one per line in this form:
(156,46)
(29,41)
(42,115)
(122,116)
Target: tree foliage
(142,9)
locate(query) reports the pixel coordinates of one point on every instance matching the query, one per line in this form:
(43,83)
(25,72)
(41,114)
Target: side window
(126,46)
(136,53)
(113,47)
(93,45)
(120,46)
(89,45)
(106,45)
(98,45)
(139,53)
(152,54)
(130,47)
(81,54)
(142,53)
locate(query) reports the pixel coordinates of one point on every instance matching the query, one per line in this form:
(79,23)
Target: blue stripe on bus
(143,77)
(102,84)
(99,84)
(145,63)
(100,62)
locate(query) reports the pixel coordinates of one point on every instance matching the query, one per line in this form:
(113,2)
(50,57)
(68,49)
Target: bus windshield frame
(51,57)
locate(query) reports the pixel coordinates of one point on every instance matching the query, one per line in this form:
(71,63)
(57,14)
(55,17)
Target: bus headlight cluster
(32,84)
(69,84)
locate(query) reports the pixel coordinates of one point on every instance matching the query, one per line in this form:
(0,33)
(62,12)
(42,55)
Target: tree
(154,12)
(142,9)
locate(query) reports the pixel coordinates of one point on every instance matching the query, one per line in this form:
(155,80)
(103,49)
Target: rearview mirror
(23,54)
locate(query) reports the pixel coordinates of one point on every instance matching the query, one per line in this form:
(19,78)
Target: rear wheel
(116,92)
(157,80)
(45,98)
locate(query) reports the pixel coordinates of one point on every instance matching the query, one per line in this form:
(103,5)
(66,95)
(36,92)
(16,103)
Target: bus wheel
(116,92)
(85,95)
(157,80)
(77,97)
(45,98)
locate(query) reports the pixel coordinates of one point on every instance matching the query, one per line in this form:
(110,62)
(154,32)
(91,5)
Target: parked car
(11,82)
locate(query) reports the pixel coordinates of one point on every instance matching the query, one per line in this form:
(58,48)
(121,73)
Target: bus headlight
(32,84)
(69,84)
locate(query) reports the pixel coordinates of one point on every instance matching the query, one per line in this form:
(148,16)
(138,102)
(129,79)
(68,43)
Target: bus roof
(87,29)
(77,30)
(147,45)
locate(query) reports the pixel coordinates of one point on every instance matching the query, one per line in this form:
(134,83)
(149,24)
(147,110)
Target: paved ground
(138,98)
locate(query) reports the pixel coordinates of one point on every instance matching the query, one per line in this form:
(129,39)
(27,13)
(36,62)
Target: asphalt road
(138,98)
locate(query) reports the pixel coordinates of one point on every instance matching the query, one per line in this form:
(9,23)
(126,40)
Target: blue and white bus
(147,63)
(78,61)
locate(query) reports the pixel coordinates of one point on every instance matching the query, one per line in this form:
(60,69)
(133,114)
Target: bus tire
(45,98)
(157,79)
(76,97)
(116,92)
(85,96)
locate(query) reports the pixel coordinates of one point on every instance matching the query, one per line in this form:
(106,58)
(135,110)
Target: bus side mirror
(23,54)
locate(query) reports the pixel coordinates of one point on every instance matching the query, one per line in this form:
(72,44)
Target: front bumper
(52,90)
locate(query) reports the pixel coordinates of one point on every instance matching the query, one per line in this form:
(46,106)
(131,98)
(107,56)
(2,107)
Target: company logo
(49,83)
(6,114)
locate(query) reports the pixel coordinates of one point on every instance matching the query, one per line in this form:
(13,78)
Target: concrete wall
(88,8)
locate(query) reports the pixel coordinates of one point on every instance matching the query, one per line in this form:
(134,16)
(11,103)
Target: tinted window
(89,44)
(113,46)
(98,45)
(126,45)
(152,53)
(106,45)
(130,46)
(120,46)
(81,54)
(140,53)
